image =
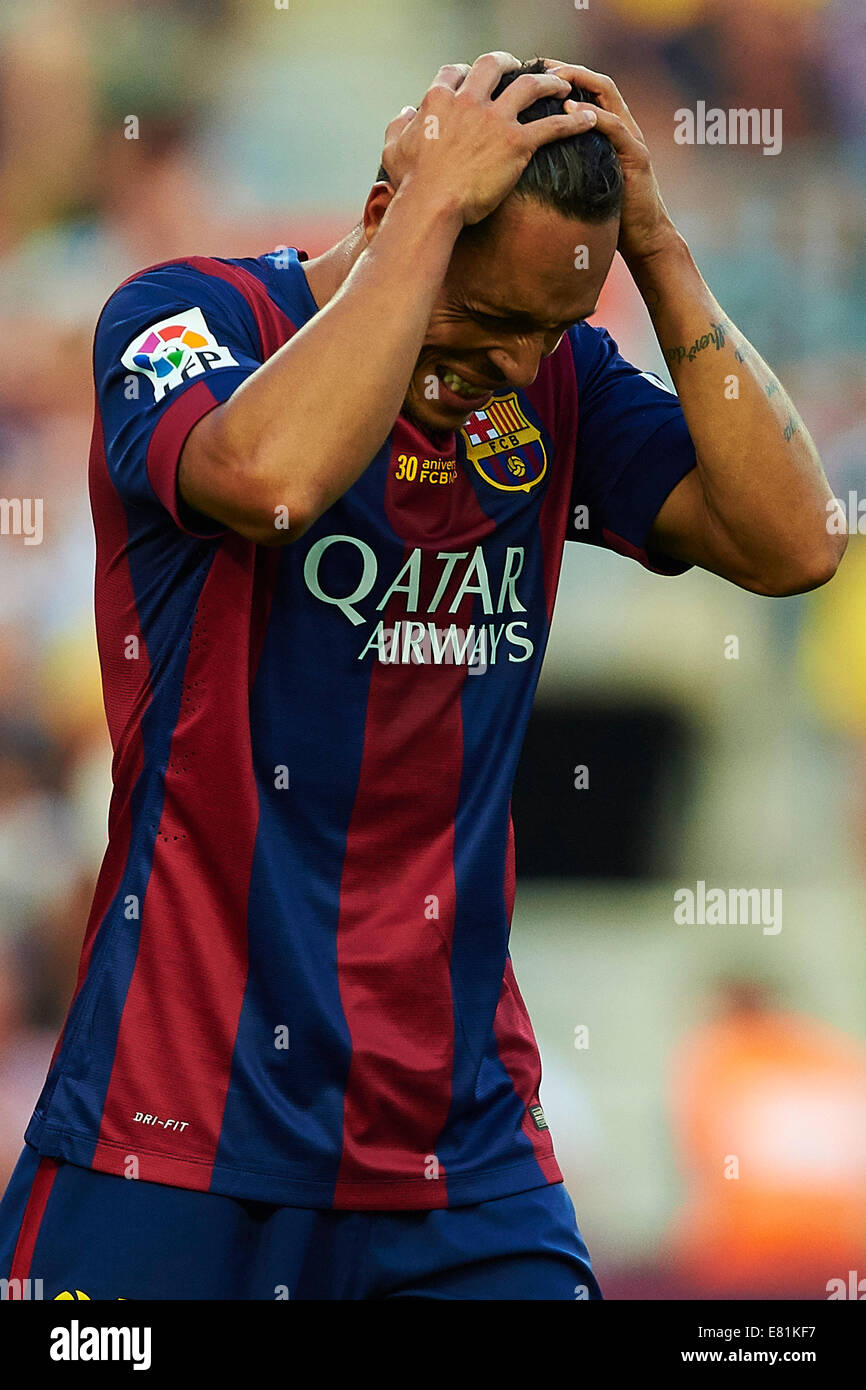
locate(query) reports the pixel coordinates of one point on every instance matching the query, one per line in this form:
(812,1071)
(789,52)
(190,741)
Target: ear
(377,204)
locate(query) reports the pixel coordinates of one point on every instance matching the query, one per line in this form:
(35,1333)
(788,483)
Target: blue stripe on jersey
(480,941)
(292,1099)
(283,277)
(481,1084)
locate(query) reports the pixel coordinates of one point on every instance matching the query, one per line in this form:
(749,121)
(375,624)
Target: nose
(520,360)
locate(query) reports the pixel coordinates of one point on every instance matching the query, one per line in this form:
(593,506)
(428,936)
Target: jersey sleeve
(170,346)
(633,447)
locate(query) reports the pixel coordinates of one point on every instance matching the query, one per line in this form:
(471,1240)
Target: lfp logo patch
(505,447)
(174,350)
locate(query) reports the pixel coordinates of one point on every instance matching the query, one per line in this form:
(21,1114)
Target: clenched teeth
(455,383)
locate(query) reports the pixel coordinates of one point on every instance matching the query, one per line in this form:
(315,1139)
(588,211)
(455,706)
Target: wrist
(662,264)
(434,209)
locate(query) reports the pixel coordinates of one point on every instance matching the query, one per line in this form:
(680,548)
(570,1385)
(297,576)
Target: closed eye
(518,324)
(495,320)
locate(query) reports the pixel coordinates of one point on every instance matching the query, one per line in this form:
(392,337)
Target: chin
(439,420)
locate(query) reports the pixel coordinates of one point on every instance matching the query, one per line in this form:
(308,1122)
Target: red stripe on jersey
(510,871)
(166,444)
(394,965)
(518,1053)
(187,987)
(634,552)
(126,686)
(273,325)
(34,1211)
(201,262)
(554,396)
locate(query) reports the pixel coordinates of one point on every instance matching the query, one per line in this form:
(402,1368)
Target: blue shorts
(99,1236)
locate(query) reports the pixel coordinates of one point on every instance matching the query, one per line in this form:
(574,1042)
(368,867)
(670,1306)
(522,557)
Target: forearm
(301,429)
(764,491)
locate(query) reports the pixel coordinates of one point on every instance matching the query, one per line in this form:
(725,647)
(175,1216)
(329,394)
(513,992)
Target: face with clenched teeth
(513,288)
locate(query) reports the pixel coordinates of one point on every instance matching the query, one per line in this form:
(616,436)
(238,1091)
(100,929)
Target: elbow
(282,501)
(808,571)
(829,560)
(271,507)
(245,488)
(273,518)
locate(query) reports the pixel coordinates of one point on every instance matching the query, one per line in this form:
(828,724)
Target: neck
(326,273)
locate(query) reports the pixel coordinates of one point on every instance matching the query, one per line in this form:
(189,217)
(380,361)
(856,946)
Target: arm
(755,508)
(346,372)
(343,379)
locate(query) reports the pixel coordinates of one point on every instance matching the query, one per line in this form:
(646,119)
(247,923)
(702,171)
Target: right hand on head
(468,150)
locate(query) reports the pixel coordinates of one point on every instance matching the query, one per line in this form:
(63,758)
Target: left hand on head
(646,226)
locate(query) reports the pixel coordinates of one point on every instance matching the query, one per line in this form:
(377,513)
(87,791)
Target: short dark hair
(579,176)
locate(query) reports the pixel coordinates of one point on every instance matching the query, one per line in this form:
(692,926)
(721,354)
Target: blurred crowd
(244,138)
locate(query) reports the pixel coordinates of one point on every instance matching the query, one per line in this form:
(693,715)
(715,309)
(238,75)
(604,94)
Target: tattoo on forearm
(717,338)
(792,428)
(688,352)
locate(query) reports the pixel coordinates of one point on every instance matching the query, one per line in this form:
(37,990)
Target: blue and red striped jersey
(295,984)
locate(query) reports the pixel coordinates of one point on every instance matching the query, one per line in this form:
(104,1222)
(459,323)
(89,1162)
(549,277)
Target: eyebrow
(521,316)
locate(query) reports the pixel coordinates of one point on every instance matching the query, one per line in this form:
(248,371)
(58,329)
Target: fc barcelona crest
(506,449)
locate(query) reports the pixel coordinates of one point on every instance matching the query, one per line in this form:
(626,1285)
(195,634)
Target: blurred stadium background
(669,1050)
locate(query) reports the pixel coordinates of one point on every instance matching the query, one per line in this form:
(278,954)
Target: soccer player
(330,499)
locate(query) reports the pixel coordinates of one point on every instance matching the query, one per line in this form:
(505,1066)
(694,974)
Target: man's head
(521,277)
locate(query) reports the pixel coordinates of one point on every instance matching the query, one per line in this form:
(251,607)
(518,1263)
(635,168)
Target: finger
(486,71)
(549,128)
(452,75)
(609,96)
(523,91)
(598,83)
(395,128)
(393,131)
(617,131)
